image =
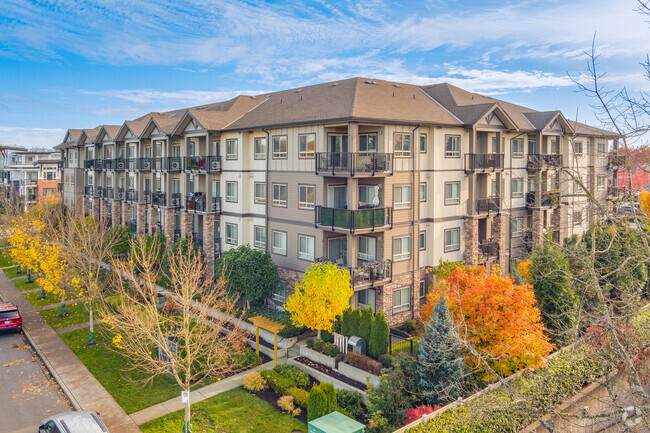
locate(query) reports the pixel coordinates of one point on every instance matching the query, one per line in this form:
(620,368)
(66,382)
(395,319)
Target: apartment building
(28,174)
(383,178)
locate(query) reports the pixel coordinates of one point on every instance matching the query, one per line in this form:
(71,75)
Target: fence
(398,344)
(341,342)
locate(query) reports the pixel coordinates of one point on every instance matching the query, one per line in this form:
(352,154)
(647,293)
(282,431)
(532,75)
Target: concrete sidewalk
(77,382)
(169,406)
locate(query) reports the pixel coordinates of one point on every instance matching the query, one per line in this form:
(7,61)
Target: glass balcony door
(337,143)
(337,251)
(337,197)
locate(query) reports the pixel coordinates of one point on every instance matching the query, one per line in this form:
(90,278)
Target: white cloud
(181,98)
(31,137)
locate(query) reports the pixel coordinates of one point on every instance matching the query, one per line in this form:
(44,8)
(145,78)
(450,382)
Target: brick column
(96,208)
(117,213)
(538,227)
(208,245)
(153,219)
(558,221)
(140,216)
(126,214)
(85,206)
(169,227)
(471,241)
(186,224)
(103,210)
(500,226)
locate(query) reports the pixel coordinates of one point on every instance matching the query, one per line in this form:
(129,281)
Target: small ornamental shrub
(297,377)
(300,396)
(286,404)
(254,382)
(363,362)
(330,395)
(417,413)
(378,344)
(409,325)
(309,342)
(318,345)
(330,349)
(317,405)
(365,325)
(355,321)
(327,337)
(276,382)
(386,360)
(350,403)
(345,323)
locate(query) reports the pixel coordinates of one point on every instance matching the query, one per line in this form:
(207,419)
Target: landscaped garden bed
(234,411)
(331,372)
(23,285)
(11,272)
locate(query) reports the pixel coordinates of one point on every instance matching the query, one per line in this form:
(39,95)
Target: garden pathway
(81,387)
(58,304)
(169,406)
(77,326)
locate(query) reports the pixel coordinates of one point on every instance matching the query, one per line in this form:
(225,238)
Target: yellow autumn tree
(644,201)
(323,294)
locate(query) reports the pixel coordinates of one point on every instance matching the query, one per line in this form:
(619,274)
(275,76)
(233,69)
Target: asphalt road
(28,393)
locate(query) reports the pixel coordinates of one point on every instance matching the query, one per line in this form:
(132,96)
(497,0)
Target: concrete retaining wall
(322,377)
(357,374)
(327,361)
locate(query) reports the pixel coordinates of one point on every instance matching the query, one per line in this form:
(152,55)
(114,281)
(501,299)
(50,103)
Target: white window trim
(229,198)
(305,255)
(278,250)
(306,154)
(517,154)
(402,204)
(401,153)
(403,306)
(279,202)
(454,153)
(279,154)
(259,244)
(259,155)
(231,240)
(451,247)
(232,156)
(259,200)
(452,200)
(402,255)
(305,204)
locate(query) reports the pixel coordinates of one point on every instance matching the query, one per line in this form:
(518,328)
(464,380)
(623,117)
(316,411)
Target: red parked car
(10,317)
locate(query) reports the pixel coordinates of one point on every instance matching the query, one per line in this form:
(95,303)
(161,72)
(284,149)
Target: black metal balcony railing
(547,199)
(216,204)
(195,163)
(195,201)
(131,164)
(157,164)
(89,190)
(371,274)
(544,161)
(483,162)
(109,221)
(131,195)
(144,164)
(146,196)
(133,226)
(488,204)
(214,164)
(176,200)
(119,164)
(99,191)
(89,164)
(177,235)
(159,198)
(351,164)
(217,247)
(108,192)
(616,161)
(108,164)
(616,191)
(121,194)
(353,220)
(489,248)
(174,164)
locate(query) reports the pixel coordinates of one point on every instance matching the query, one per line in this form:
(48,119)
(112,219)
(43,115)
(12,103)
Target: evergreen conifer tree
(378,342)
(345,322)
(317,403)
(440,361)
(367,317)
(330,396)
(355,321)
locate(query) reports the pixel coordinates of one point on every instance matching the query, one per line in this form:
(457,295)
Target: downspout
(266,192)
(509,232)
(415,192)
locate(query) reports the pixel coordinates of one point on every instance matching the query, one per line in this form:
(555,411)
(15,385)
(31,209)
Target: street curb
(51,369)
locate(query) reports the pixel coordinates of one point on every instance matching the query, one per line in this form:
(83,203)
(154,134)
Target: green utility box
(335,422)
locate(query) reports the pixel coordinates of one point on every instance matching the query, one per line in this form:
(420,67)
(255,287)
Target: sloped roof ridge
(439,104)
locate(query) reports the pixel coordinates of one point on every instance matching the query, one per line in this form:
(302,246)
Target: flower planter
(318,357)
(322,377)
(161,300)
(357,374)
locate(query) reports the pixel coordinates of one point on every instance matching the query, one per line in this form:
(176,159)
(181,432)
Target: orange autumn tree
(496,318)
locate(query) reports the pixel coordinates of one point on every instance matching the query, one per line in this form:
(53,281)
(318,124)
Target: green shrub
(350,403)
(378,344)
(309,342)
(290,330)
(345,323)
(355,321)
(386,360)
(298,377)
(300,396)
(327,337)
(276,382)
(330,349)
(330,396)
(317,405)
(318,345)
(363,362)
(254,382)
(365,325)
(409,325)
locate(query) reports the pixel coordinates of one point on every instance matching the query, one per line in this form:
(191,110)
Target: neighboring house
(21,173)
(49,177)
(383,178)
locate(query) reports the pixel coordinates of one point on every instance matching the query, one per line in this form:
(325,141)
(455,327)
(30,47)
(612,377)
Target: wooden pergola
(271,326)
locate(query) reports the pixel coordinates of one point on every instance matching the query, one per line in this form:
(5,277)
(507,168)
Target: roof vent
(299,90)
(253,97)
(396,85)
(369,82)
(335,84)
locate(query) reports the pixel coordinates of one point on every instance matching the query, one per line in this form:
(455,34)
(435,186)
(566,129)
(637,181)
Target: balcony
(131,164)
(132,195)
(616,191)
(345,220)
(371,274)
(109,221)
(489,249)
(174,164)
(217,247)
(159,199)
(157,164)
(214,164)
(89,164)
(616,161)
(145,164)
(177,235)
(108,192)
(133,226)
(354,164)
(483,162)
(89,190)
(121,194)
(108,164)
(198,241)
(176,200)
(146,196)
(59,187)
(119,164)
(195,202)
(99,192)
(538,162)
(548,199)
(205,164)
(216,204)
(488,204)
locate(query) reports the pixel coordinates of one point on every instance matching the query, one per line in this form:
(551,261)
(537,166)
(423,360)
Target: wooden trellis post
(271,326)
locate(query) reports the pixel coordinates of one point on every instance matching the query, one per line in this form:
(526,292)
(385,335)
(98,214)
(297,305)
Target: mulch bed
(269,396)
(328,371)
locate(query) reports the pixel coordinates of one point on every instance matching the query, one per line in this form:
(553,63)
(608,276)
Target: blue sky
(77,64)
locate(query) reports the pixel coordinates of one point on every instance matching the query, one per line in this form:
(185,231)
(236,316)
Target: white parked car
(87,421)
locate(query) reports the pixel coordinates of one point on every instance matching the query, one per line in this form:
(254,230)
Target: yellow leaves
(117,340)
(523,267)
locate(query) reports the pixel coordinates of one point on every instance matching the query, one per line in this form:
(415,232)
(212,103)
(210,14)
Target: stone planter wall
(283,343)
(322,377)
(357,374)
(321,358)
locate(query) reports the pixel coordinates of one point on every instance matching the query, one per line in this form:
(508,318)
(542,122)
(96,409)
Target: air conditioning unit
(175,165)
(146,165)
(120,165)
(215,165)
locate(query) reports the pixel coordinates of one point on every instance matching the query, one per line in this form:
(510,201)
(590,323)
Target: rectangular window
(306,247)
(280,294)
(260,192)
(495,145)
(452,146)
(423,288)
(423,192)
(232,234)
(452,193)
(306,199)
(532,185)
(367,194)
(602,149)
(260,147)
(452,240)
(517,147)
(600,183)
(577,148)
(517,188)
(402,144)
(307,145)
(402,197)
(517,227)
(368,143)
(231,192)
(577,218)
(532,146)
(402,248)
(280,243)
(401,300)
(280,194)
(279,146)
(260,237)
(367,249)
(231,148)
(423,143)
(423,240)
(555,146)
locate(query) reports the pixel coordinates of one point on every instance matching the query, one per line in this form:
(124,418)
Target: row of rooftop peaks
(354,99)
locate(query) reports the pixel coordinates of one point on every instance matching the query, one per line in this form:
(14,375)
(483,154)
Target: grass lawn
(77,313)
(234,411)
(22,284)
(49,298)
(11,272)
(111,370)
(5,260)
(4,243)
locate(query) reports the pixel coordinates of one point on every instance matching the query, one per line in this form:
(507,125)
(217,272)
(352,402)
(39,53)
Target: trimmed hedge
(363,362)
(298,377)
(300,396)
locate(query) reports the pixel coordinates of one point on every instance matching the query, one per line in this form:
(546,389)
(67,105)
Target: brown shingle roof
(75,134)
(216,117)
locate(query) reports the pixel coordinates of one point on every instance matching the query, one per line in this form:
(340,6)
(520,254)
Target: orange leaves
(496,316)
(644,201)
